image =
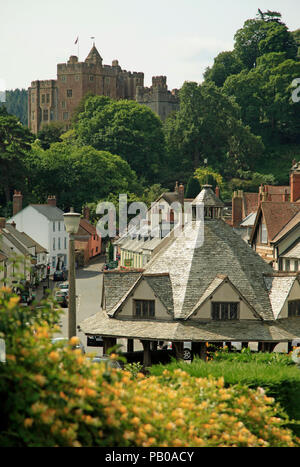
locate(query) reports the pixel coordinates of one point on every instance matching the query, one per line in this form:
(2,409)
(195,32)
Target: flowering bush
(53,395)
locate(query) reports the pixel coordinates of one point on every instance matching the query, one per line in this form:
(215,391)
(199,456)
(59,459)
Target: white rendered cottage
(45,224)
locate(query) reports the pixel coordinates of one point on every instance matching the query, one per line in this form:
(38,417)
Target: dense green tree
(264,96)
(78,175)
(16,103)
(225,64)
(15,143)
(193,188)
(125,128)
(262,35)
(50,133)
(296,35)
(208,126)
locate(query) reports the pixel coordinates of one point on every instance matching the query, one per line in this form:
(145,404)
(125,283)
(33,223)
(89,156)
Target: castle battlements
(56,100)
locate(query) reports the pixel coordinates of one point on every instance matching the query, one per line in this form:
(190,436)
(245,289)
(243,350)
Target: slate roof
(25,239)
(191,266)
(52,213)
(279,287)
(208,198)
(223,252)
(240,331)
(116,284)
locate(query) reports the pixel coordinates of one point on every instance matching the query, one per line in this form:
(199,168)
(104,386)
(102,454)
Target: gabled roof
(88,227)
(276,215)
(287,228)
(24,239)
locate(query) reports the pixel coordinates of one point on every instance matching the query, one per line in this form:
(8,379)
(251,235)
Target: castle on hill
(56,100)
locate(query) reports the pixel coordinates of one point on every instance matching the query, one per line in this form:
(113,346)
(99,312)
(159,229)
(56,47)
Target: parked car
(59,276)
(107,360)
(64,286)
(94,341)
(187,348)
(61,296)
(64,341)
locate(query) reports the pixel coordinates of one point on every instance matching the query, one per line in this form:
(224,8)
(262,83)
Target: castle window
(43,98)
(293,308)
(77,77)
(69,92)
(63,104)
(32,115)
(144,308)
(91,78)
(32,99)
(224,311)
(45,114)
(63,78)
(47,98)
(65,115)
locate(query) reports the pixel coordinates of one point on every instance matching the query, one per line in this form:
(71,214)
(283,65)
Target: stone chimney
(2,222)
(217,191)
(181,194)
(237,208)
(17,202)
(176,187)
(295,182)
(51,201)
(86,213)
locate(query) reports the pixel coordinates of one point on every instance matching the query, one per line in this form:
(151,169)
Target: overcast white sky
(176,38)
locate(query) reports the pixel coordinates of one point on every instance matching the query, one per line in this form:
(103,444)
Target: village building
(205,285)
(45,224)
(87,241)
(136,247)
(275,233)
(20,256)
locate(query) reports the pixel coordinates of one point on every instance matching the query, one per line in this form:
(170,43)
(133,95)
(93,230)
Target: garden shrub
(53,395)
(274,372)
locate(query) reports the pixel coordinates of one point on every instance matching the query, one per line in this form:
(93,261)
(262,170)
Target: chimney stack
(295,182)
(51,200)
(2,222)
(181,194)
(17,202)
(237,208)
(217,191)
(176,187)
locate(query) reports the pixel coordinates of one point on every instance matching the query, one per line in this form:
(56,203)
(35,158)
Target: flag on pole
(76,40)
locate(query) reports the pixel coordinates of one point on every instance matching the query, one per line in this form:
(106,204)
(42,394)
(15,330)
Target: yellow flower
(54,356)
(13,301)
(148,427)
(28,422)
(74,341)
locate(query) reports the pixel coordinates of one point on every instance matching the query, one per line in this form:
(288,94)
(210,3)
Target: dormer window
(224,311)
(144,308)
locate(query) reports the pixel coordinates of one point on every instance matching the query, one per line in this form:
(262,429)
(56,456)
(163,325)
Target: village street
(89,281)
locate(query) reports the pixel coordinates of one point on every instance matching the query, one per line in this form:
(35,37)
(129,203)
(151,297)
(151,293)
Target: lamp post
(71,220)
